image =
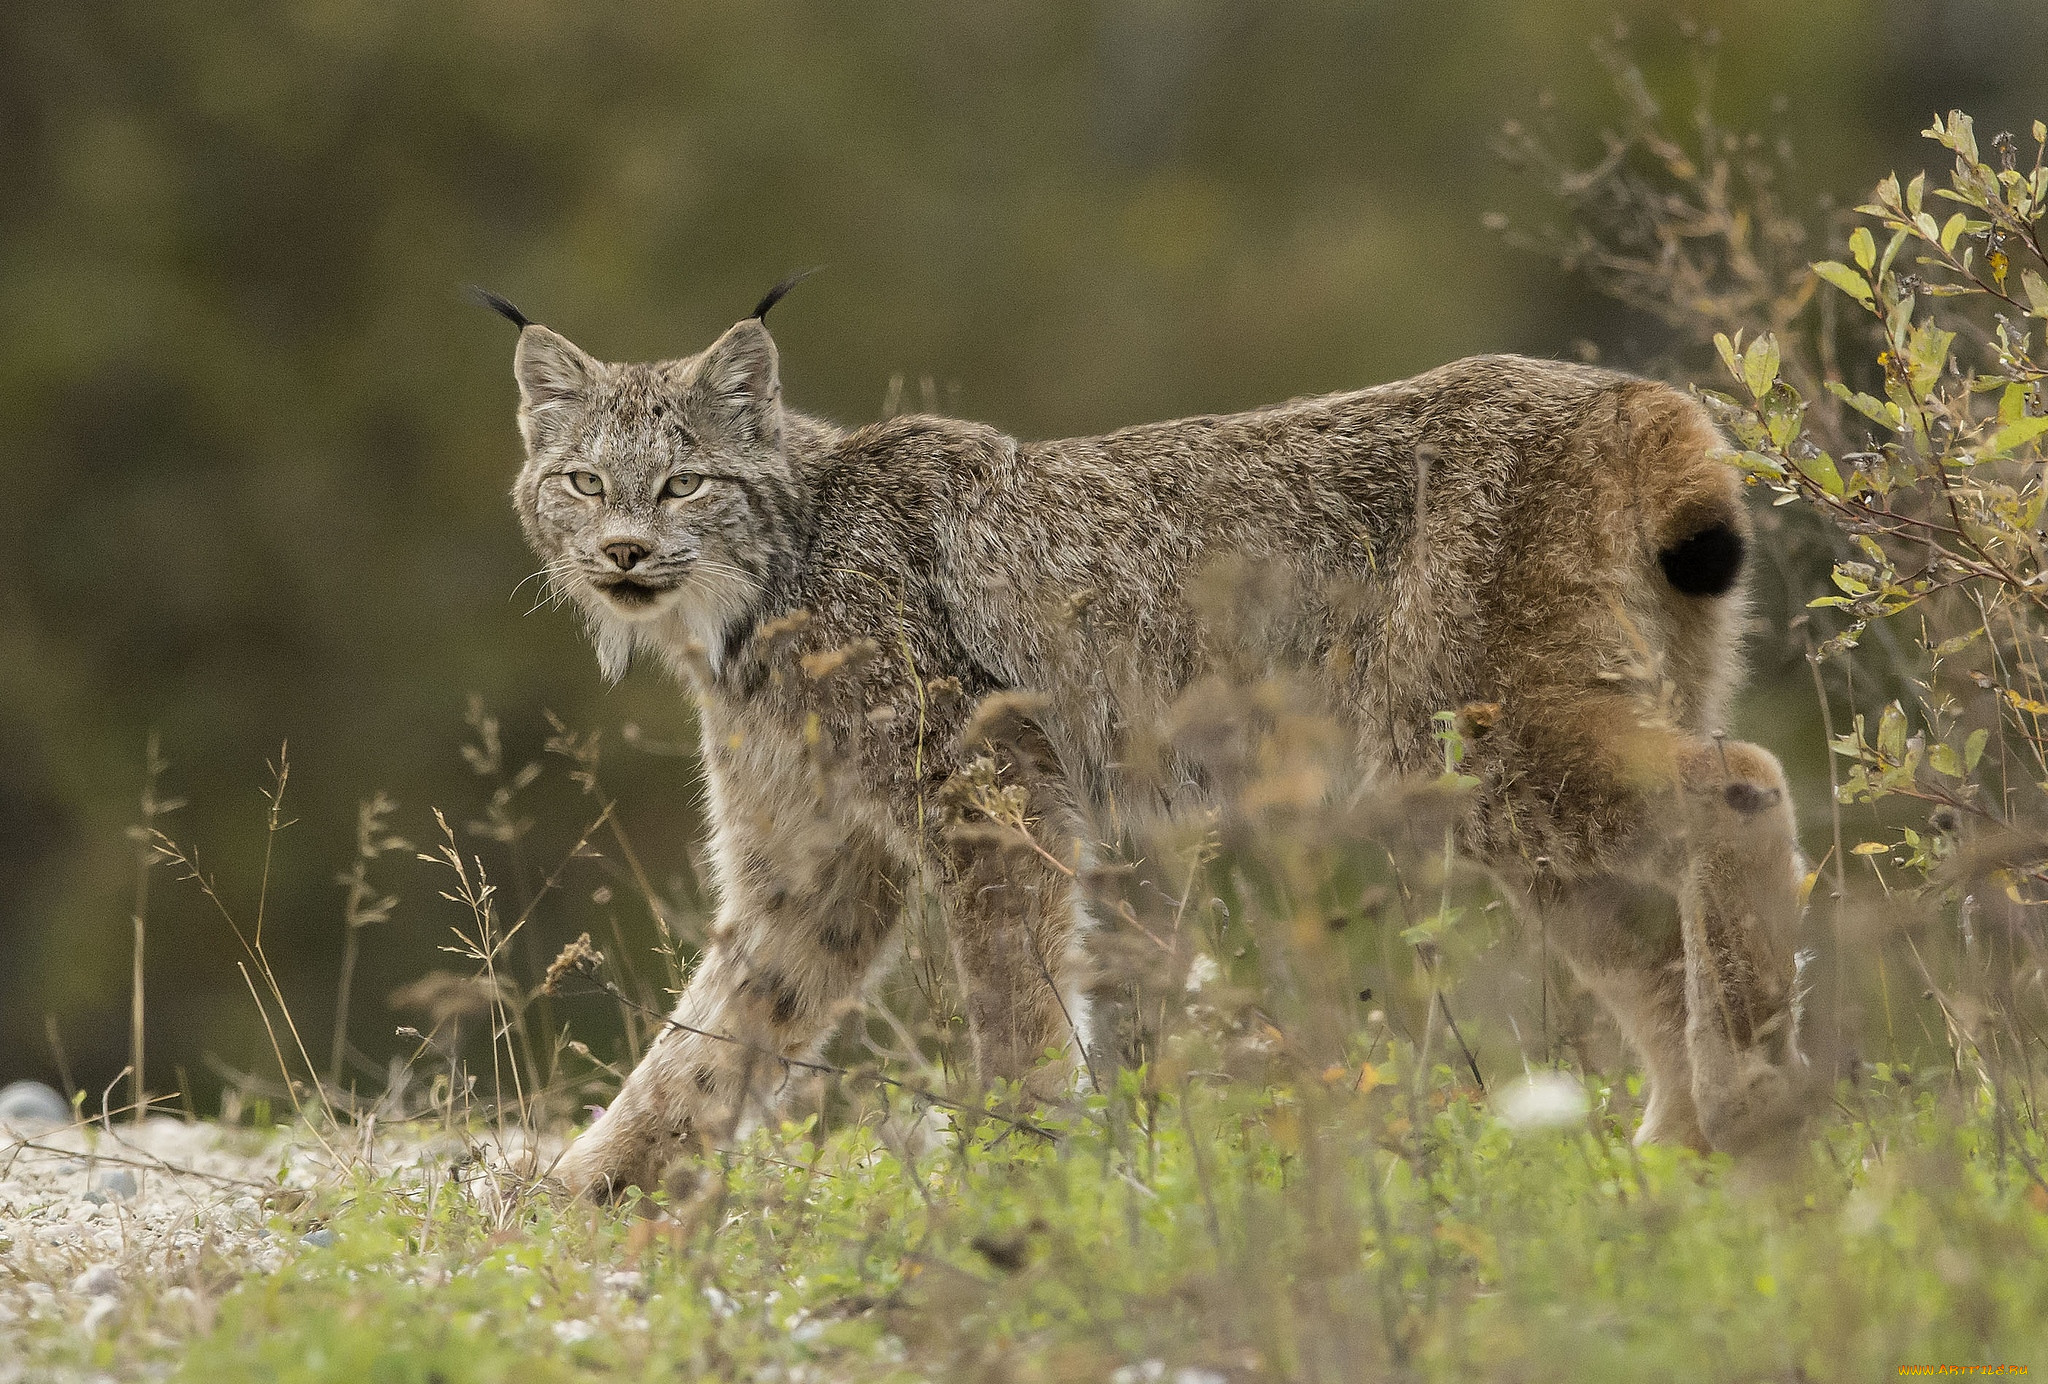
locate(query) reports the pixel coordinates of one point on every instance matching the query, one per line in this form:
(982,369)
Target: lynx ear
(554,381)
(739,382)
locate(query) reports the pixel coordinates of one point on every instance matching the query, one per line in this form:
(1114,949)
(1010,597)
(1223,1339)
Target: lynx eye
(586,482)
(682,486)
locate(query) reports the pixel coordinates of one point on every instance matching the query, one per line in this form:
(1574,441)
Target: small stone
(28,1105)
(96,1315)
(320,1238)
(101,1280)
(111,1184)
(628,1281)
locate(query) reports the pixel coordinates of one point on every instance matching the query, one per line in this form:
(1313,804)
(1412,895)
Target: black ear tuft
(484,298)
(1706,564)
(775,294)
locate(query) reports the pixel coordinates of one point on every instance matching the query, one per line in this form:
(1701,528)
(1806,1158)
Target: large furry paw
(606,1159)
(1762,1111)
(1671,1120)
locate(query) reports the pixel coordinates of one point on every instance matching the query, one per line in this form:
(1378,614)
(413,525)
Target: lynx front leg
(1739,907)
(797,936)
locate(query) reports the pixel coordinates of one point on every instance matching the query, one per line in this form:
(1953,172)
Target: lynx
(864,615)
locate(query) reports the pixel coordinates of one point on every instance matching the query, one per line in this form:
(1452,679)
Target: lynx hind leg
(1633,962)
(1738,900)
(1012,914)
(796,939)
(1012,924)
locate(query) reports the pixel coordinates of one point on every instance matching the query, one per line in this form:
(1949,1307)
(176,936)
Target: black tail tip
(484,298)
(1706,564)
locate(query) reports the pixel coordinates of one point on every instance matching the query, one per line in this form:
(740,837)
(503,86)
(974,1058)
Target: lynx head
(660,496)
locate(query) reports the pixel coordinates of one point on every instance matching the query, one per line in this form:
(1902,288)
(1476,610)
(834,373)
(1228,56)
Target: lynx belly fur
(864,614)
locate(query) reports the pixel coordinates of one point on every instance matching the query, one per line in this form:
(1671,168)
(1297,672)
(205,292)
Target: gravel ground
(162,1218)
(117,1243)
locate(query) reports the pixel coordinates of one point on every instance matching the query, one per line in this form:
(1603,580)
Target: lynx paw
(605,1160)
(1761,1111)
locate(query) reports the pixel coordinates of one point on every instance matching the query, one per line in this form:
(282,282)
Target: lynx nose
(625,553)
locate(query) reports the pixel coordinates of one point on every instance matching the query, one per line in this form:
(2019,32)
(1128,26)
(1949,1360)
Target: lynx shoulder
(896,633)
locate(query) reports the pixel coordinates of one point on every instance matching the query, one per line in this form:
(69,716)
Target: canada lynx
(863,615)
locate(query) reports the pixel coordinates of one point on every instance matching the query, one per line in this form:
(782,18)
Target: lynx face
(658,496)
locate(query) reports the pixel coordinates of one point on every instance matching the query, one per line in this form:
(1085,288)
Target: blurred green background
(256,449)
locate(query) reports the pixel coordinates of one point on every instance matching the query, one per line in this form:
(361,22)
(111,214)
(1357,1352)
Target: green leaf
(2016,435)
(1944,760)
(2037,292)
(1760,364)
(2012,404)
(1963,130)
(1863,246)
(1926,353)
(1821,471)
(1949,647)
(1847,279)
(1899,318)
(1891,252)
(1953,231)
(1914,191)
(1973,748)
(1728,350)
(1876,410)
(1891,734)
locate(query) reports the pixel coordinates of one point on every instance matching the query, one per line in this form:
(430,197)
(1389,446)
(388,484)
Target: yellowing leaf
(2026,704)
(1869,848)
(1863,247)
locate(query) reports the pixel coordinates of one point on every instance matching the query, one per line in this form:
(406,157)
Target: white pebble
(1542,1100)
(97,1314)
(628,1281)
(30,1105)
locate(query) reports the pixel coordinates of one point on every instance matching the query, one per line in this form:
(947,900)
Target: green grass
(1325,1235)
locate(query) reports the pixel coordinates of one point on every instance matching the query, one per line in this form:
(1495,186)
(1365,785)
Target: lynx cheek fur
(863,615)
